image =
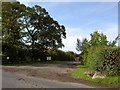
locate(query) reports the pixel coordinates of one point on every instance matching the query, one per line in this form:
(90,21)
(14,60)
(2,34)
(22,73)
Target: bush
(104,59)
(92,57)
(109,60)
(15,53)
(71,55)
(59,55)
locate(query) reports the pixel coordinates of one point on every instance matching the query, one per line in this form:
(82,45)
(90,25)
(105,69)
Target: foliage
(98,39)
(108,60)
(27,32)
(11,25)
(87,48)
(112,44)
(83,46)
(60,55)
(42,29)
(14,53)
(93,53)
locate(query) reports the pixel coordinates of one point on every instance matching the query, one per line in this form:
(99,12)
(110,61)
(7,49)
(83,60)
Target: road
(13,80)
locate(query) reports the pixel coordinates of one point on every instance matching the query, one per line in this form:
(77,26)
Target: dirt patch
(51,71)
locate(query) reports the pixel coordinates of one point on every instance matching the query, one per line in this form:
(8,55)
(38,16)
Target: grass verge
(79,73)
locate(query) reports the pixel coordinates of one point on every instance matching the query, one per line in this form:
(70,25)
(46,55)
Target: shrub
(104,59)
(109,60)
(92,57)
(59,55)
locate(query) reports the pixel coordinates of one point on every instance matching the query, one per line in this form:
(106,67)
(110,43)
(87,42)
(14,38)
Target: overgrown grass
(79,73)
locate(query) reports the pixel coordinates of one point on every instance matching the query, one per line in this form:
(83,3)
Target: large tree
(11,25)
(29,26)
(11,29)
(41,29)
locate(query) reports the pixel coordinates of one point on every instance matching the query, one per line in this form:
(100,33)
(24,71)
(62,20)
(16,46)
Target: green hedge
(108,61)
(104,59)
(59,55)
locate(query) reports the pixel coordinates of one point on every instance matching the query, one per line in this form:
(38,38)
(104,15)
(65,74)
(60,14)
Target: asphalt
(12,80)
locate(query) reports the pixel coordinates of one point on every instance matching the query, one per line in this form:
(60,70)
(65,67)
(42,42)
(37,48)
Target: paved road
(10,80)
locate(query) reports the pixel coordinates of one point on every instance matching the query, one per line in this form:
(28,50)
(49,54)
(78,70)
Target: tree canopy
(97,42)
(97,39)
(29,27)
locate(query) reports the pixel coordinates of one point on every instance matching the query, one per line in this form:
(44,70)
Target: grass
(79,73)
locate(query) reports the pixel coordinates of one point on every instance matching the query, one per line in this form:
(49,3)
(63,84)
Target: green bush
(92,57)
(15,53)
(70,55)
(59,55)
(104,59)
(108,61)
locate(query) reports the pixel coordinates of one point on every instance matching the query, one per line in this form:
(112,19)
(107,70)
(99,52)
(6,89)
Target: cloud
(71,40)
(70,44)
(93,18)
(111,31)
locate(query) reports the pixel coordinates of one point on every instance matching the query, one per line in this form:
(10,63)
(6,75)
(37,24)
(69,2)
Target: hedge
(104,59)
(108,61)
(58,55)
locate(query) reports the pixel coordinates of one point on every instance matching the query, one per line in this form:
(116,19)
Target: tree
(42,29)
(79,45)
(85,46)
(11,29)
(11,25)
(82,45)
(98,39)
(113,43)
(29,28)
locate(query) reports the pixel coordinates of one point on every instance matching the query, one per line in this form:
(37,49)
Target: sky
(82,18)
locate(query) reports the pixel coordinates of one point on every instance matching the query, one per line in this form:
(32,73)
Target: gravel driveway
(59,72)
